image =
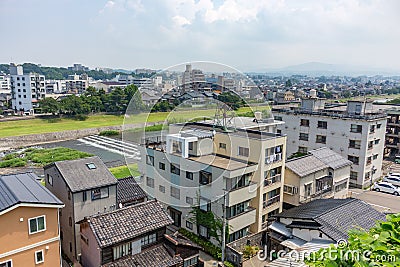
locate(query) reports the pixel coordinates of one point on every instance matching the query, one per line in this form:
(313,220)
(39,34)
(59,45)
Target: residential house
(29,222)
(129,192)
(322,173)
(86,187)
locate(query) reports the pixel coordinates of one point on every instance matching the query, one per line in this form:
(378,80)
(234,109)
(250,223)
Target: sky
(249,35)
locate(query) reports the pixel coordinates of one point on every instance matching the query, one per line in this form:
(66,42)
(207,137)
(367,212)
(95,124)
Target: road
(381,201)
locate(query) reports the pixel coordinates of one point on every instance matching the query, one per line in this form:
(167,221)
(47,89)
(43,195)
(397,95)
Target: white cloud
(180,21)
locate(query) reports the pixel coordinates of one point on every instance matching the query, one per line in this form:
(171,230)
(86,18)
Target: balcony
(273,158)
(324,193)
(271,201)
(242,220)
(272,180)
(242,194)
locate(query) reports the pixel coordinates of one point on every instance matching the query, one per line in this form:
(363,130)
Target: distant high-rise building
(78,67)
(193,79)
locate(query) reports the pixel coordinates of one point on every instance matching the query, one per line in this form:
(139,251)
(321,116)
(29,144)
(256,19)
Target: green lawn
(38,126)
(124,171)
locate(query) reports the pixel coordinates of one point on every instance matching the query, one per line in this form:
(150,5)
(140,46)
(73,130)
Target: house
(132,236)
(149,97)
(86,187)
(320,220)
(284,97)
(29,222)
(322,173)
(129,192)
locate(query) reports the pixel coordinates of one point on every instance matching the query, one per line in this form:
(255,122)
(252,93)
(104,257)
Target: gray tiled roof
(336,216)
(330,158)
(155,256)
(127,223)
(305,165)
(79,177)
(128,190)
(23,188)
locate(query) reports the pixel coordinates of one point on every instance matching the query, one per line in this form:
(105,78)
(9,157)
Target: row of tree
(93,101)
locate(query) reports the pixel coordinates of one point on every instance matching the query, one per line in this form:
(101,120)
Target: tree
(232,100)
(380,246)
(133,98)
(288,83)
(49,105)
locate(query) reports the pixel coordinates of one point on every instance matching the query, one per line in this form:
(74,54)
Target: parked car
(397,159)
(386,187)
(394,180)
(396,174)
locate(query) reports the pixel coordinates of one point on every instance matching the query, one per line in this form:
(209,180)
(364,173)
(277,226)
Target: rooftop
(229,164)
(129,190)
(330,158)
(127,223)
(24,188)
(84,174)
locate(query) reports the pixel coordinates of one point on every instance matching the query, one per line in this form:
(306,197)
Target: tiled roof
(330,158)
(23,188)
(127,223)
(178,239)
(79,176)
(155,256)
(128,190)
(305,165)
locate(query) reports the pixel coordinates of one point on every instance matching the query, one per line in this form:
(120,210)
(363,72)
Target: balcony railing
(271,180)
(273,158)
(271,201)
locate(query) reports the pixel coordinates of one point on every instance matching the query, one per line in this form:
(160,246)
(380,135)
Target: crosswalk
(127,149)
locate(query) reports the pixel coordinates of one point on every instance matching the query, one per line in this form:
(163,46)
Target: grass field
(38,126)
(124,171)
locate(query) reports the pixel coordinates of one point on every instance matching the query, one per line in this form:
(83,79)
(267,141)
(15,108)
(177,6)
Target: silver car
(392,180)
(386,187)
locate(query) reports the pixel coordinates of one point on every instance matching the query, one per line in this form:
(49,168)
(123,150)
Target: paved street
(381,201)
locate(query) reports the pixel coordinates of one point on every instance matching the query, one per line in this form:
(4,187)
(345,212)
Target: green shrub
(250,251)
(207,246)
(10,156)
(54,120)
(81,117)
(43,157)
(228,264)
(15,162)
(109,133)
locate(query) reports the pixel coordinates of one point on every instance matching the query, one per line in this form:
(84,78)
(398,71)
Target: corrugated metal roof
(24,188)
(305,165)
(330,158)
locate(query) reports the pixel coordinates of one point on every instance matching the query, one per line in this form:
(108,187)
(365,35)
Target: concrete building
(77,84)
(55,86)
(237,171)
(356,133)
(86,187)
(322,173)
(192,79)
(26,89)
(392,140)
(78,67)
(4,83)
(30,229)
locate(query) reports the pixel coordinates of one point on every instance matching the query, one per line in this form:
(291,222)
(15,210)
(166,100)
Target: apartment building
(77,84)
(26,89)
(4,83)
(86,187)
(392,142)
(55,86)
(355,131)
(233,171)
(29,232)
(192,79)
(322,173)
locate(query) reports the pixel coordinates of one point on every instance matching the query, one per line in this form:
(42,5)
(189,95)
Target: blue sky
(246,34)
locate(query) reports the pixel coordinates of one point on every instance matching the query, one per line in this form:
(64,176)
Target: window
(37,224)
(175,169)
(150,182)
(370,144)
(189,175)
(122,250)
(237,209)
(189,200)
(321,139)
(149,160)
(69,195)
(353,159)
(99,193)
(369,160)
(70,247)
(353,175)
(24,96)
(6,263)
(205,204)
(355,144)
(161,188)
(91,166)
(39,256)
(205,177)
(238,234)
(290,189)
(322,124)
(222,145)
(191,261)
(49,179)
(355,128)
(85,239)
(175,192)
(278,118)
(161,166)
(70,221)
(305,123)
(203,231)
(149,239)
(307,190)
(243,151)
(190,145)
(84,196)
(302,149)
(189,225)
(372,129)
(375,156)
(303,136)
(367,175)
(377,141)
(378,126)
(341,186)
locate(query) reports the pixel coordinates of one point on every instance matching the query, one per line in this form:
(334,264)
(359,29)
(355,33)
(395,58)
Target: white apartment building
(356,132)
(198,163)
(192,79)
(26,89)
(4,83)
(55,86)
(77,84)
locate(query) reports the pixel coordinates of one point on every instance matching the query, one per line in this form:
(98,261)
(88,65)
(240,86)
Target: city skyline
(247,35)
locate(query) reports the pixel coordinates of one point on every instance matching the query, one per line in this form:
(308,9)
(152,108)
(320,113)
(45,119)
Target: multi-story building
(322,173)
(86,187)
(56,87)
(356,133)
(233,171)
(77,84)
(4,83)
(392,142)
(29,232)
(192,79)
(26,89)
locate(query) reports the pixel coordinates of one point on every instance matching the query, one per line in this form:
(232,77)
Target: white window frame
(7,261)
(35,218)
(36,252)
